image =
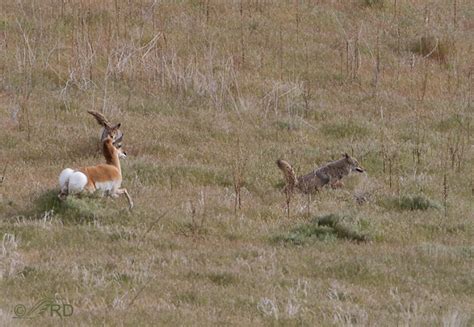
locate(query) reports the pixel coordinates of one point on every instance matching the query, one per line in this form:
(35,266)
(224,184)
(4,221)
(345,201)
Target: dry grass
(209,95)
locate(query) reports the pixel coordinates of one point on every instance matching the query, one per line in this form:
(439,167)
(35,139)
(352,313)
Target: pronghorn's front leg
(124,191)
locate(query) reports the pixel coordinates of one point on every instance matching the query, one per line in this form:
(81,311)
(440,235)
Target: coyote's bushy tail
(100,118)
(289,173)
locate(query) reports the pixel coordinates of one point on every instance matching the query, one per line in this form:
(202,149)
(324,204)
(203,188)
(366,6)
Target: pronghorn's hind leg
(121,191)
(62,195)
(64,183)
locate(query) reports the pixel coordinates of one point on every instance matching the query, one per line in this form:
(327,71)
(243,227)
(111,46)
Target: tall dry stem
(4,174)
(238,179)
(445,194)
(242,41)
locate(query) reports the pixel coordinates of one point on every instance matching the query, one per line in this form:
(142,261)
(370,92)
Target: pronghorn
(106,178)
(108,129)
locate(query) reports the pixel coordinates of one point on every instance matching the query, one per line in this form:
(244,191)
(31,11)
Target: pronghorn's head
(108,129)
(353,163)
(122,154)
(111,149)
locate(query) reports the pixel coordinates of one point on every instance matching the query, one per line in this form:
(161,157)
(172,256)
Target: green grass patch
(75,209)
(374,3)
(287,125)
(345,227)
(372,162)
(304,234)
(218,278)
(122,278)
(409,202)
(347,129)
(453,122)
(222,279)
(279,185)
(189,297)
(3,25)
(327,228)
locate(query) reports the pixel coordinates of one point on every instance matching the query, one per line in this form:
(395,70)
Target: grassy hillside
(210,94)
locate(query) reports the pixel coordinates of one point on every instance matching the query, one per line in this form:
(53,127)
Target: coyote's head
(108,129)
(353,163)
(113,131)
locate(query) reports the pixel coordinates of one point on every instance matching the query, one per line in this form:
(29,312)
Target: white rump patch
(77,182)
(64,179)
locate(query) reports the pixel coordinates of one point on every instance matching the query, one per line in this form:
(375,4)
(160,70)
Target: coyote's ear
(116,127)
(346,155)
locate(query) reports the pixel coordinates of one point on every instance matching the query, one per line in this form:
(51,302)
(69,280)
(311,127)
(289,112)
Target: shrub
(323,228)
(408,202)
(342,227)
(75,209)
(416,203)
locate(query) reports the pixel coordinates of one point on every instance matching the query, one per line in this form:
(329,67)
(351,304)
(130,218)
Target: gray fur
(330,173)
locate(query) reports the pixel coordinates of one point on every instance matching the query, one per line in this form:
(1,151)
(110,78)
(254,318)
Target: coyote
(331,173)
(108,129)
(106,178)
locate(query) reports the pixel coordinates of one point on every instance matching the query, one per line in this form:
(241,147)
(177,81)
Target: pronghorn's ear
(118,125)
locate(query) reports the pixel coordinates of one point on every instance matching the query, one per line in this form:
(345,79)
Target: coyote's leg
(64,191)
(323,178)
(337,184)
(124,191)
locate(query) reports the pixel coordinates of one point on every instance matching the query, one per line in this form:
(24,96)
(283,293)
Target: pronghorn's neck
(111,154)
